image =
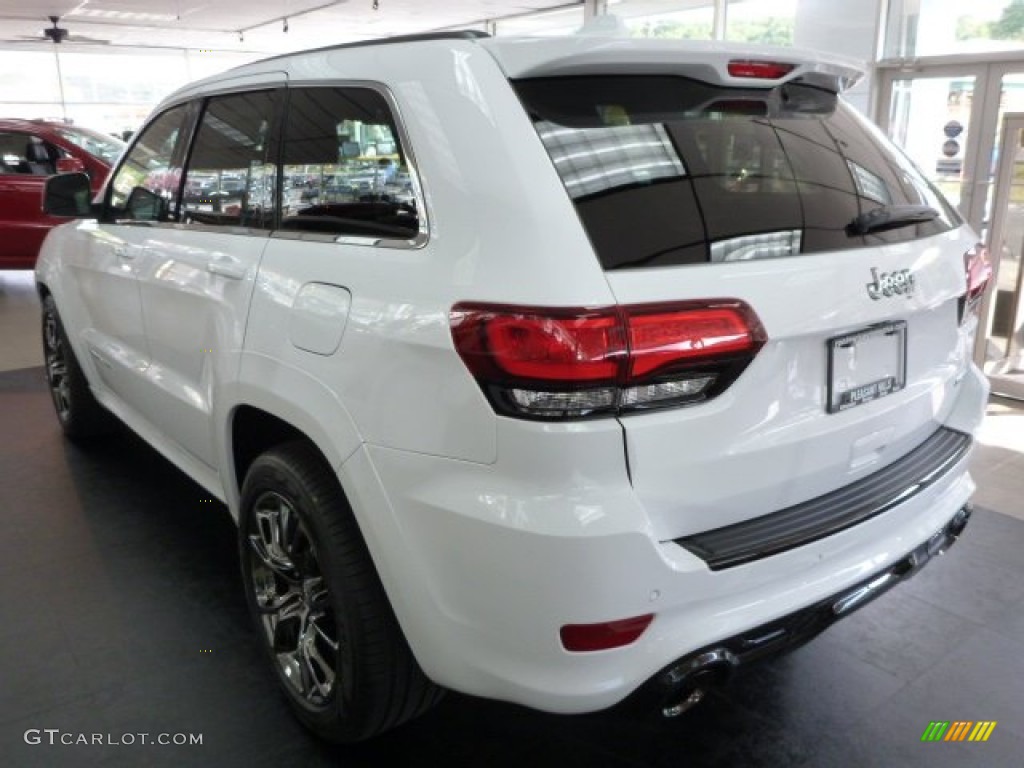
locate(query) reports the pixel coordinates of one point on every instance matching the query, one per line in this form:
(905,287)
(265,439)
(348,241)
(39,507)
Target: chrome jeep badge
(886,284)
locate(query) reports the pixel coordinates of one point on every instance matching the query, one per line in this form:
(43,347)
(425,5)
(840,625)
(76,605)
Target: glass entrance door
(930,118)
(1001,348)
(961,124)
(935,114)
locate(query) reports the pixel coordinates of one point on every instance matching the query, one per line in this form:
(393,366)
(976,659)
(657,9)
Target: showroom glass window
(145,186)
(345,171)
(770,23)
(231,173)
(940,27)
(560,21)
(672,20)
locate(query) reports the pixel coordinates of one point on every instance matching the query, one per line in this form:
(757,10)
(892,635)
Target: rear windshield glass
(666,170)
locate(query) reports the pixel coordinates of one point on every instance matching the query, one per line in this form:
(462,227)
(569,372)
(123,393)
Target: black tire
(319,607)
(81,416)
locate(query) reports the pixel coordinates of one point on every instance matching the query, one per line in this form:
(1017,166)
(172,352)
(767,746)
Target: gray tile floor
(121,613)
(19,321)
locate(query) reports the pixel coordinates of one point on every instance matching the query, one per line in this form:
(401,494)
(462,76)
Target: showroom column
(847,29)
(592,8)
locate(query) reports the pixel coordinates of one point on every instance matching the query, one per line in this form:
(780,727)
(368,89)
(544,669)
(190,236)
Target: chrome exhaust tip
(959,522)
(675,710)
(689,682)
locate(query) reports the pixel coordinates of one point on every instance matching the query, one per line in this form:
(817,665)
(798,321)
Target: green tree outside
(1010,25)
(771,30)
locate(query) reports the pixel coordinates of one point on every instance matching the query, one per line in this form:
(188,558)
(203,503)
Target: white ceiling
(248,25)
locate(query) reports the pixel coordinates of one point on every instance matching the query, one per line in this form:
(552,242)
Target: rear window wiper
(890,217)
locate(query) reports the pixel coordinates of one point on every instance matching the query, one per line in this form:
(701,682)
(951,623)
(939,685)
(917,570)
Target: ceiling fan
(57,34)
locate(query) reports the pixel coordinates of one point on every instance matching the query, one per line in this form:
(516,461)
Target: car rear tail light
(604,636)
(554,364)
(572,348)
(660,338)
(760,70)
(978,273)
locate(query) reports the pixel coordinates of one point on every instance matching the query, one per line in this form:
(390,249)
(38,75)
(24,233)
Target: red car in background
(31,150)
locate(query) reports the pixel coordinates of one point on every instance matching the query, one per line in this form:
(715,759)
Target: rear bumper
(485,563)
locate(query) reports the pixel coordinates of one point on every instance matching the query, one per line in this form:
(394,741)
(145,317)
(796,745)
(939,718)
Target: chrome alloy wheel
(292,598)
(56,366)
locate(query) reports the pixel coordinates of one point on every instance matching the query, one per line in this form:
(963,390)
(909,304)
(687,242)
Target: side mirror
(70,165)
(145,205)
(67,195)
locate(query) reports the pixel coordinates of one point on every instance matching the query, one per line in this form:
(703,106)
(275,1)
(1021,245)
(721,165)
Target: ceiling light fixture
(290,14)
(124,16)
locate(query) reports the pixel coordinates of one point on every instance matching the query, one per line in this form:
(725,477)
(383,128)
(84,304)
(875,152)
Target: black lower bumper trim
(823,516)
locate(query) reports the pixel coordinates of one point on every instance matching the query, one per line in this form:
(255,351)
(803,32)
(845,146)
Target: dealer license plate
(866,365)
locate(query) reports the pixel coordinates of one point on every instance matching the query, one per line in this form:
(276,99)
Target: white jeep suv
(557,371)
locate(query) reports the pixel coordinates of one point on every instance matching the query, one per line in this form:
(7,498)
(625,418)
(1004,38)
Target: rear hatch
(722,180)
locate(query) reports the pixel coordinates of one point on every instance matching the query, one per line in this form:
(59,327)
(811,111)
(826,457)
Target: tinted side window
(12,153)
(231,175)
(22,153)
(666,170)
(345,171)
(145,187)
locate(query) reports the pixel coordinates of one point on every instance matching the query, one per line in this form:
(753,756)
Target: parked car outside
(30,151)
(664,366)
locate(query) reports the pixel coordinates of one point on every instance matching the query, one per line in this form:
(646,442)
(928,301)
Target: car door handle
(227,267)
(124,252)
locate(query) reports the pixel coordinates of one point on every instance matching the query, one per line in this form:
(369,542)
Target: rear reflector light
(601,637)
(546,363)
(760,70)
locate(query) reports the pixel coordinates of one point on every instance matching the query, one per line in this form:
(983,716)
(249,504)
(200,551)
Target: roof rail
(459,34)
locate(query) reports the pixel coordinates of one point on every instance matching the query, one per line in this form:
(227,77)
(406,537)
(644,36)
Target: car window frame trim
(179,153)
(195,105)
(422,236)
(200,106)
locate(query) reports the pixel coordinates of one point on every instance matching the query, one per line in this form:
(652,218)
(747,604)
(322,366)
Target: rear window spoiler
(709,62)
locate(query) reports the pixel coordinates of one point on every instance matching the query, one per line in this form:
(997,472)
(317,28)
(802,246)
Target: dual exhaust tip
(687,682)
